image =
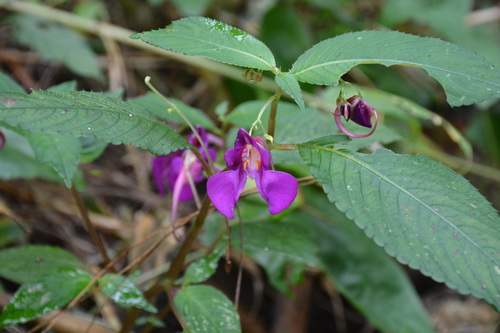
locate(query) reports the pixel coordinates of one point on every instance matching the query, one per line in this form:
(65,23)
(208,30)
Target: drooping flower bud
(357,110)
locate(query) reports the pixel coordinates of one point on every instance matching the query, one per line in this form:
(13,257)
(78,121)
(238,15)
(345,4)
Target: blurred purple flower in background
(180,170)
(250,157)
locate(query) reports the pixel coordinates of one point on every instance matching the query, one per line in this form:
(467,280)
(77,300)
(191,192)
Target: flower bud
(361,112)
(357,110)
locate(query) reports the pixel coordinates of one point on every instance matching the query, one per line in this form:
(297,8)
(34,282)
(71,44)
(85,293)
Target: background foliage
(309,269)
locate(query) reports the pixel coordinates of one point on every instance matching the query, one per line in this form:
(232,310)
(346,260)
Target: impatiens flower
(250,157)
(181,169)
(357,110)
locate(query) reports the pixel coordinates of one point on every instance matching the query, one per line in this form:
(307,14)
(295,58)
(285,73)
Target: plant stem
(271,124)
(90,227)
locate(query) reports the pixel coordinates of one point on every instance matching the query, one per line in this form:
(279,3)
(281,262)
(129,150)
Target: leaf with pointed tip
(466,77)
(201,269)
(124,292)
(291,86)
(209,38)
(59,151)
(83,113)
(420,211)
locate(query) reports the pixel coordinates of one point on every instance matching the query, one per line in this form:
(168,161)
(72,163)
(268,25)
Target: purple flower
(357,110)
(181,169)
(250,157)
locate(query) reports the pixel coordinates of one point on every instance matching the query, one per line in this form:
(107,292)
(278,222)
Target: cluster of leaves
(421,212)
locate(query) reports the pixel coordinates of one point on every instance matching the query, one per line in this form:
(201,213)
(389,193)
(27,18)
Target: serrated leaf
(22,263)
(44,294)
(56,42)
(362,271)
(209,38)
(206,309)
(83,113)
(17,159)
(291,86)
(202,269)
(420,211)
(466,77)
(124,292)
(59,151)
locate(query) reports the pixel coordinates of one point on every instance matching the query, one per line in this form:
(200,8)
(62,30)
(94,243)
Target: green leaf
(10,232)
(206,309)
(286,33)
(44,294)
(283,248)
(7,84)
(85,113)
(201,36)
(91,149)
(159,108)
(56,42)
(420,211)
(466,77)
(17,159)
(22,263)
(289,84)
(59,151)
(192,7)
(200,270)
(444,17)
(124,292)
(361,270)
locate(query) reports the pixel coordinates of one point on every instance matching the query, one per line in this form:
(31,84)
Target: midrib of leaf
(409,194)
(381,61)
(219,46)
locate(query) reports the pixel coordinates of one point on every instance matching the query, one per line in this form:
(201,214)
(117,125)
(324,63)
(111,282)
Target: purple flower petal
(361,112)
(233,158)
(224,189)
(278,188)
